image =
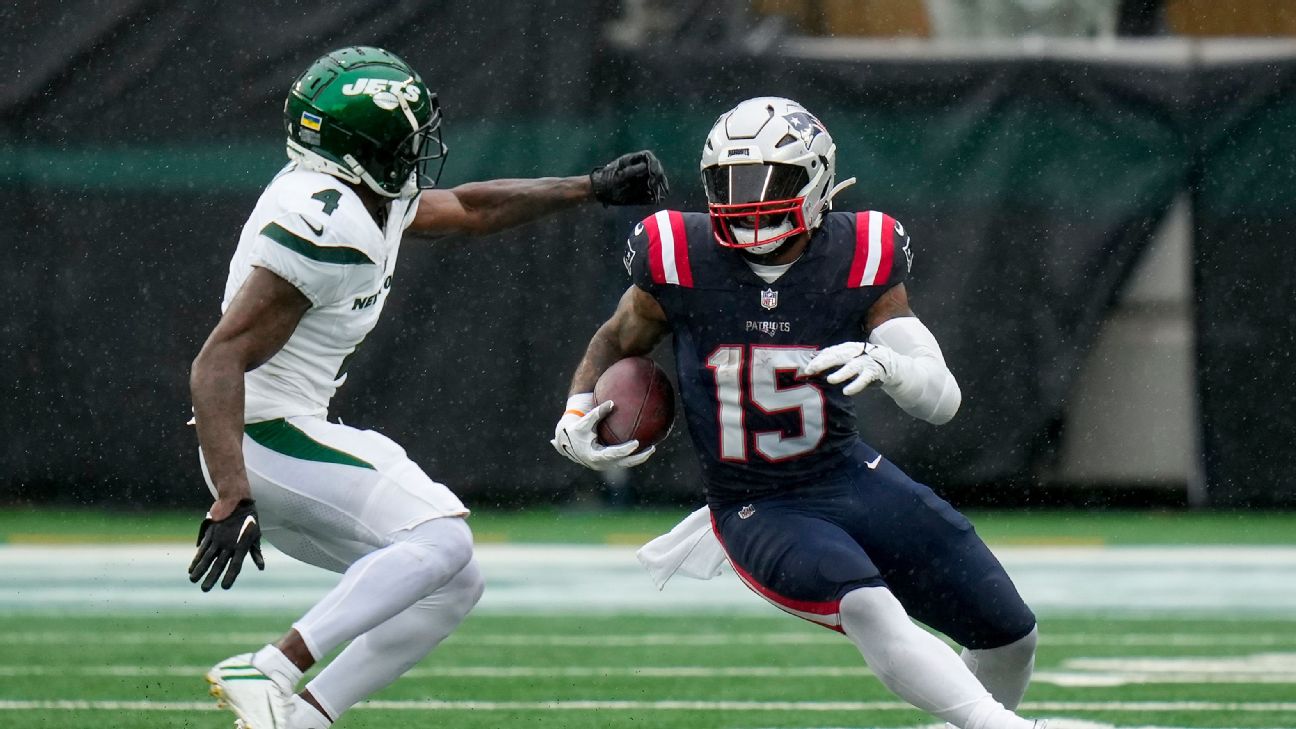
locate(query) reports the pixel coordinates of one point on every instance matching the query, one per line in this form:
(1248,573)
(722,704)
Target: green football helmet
(363,115)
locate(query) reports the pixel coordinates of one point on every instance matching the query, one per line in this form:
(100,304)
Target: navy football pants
(804,549)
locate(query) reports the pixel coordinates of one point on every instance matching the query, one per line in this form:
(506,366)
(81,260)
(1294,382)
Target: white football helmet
(768,169)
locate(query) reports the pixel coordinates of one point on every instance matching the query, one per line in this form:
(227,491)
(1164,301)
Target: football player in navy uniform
(308,281)
(779,311)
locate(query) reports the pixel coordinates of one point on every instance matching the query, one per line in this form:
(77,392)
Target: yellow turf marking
(486,537)
(627,539)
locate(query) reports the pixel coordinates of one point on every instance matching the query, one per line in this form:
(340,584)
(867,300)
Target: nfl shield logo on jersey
(769,299)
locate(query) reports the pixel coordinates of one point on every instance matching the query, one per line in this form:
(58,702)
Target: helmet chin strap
(410,188)
(314,162)
(359,171)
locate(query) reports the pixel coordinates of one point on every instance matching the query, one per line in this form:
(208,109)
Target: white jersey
(312,230)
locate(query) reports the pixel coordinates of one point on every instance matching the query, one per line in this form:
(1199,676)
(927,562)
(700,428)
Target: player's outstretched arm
(634,329)
(479,208)
(258,322)
(901,355)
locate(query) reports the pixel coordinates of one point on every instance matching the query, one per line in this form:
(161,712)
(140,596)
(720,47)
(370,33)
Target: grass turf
(611,672)
(668,672)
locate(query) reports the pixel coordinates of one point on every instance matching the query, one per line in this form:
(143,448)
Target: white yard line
(582,641)
(1255,581)
(1163,640)
(595,705)
(1117,674)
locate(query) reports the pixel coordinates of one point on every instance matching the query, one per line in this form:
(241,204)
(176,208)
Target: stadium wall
(136,143)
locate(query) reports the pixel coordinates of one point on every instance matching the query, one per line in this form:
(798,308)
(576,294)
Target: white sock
(383,654)
(917,666)
(1005,671)
(385,582)
(272,662)
(306,716)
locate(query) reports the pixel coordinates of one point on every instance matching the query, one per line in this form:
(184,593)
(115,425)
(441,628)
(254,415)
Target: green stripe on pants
(281,437)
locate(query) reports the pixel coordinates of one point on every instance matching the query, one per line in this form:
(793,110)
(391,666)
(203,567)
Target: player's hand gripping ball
(645,403)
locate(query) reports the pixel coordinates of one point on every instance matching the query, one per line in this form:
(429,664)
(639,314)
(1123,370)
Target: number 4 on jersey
(734,367)
(329,198)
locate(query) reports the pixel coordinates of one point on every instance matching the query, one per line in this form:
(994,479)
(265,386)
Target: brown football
(645,402)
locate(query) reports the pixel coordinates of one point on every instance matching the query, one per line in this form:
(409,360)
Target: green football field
(632,671)
(671,670)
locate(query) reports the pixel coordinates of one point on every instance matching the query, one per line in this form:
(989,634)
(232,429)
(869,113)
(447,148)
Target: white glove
(576,437)
(865,362)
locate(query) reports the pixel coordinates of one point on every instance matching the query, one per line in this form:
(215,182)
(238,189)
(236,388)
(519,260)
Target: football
(645,403)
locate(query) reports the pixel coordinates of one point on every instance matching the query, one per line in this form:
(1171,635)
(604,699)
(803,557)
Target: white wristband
(580,403)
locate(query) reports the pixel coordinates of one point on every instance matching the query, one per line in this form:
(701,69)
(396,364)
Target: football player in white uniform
(308,281)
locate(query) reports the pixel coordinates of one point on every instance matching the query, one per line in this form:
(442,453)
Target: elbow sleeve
(920,384)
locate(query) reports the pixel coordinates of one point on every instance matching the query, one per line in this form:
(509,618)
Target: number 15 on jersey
(749,376)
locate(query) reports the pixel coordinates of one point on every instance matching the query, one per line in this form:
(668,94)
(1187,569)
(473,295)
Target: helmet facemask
(408,163)
(428,147)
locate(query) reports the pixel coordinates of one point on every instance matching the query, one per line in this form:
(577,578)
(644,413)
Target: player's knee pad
(466,588)
(452,602)
(430,554)
(872,611)
(447,544)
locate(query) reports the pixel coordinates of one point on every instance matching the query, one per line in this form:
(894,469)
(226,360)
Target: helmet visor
(750,183)
(746,199)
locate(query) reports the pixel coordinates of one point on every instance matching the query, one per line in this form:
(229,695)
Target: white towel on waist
(691,549)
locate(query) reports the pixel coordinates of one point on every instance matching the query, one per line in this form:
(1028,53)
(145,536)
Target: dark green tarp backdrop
(137,135)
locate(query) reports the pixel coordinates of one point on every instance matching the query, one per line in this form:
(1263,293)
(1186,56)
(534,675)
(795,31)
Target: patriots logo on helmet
(630,253)
(900,231)
(806,126)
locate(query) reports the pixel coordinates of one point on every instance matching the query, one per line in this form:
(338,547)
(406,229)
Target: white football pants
(351,501)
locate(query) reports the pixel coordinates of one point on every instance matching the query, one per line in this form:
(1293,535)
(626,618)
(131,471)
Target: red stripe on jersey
(682,269)
(655,264)
(888,250)
(855,280)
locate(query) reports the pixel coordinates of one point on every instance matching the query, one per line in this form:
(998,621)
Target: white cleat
(257,701)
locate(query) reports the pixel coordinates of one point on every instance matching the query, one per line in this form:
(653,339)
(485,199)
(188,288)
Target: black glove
(227,542)
(631,179)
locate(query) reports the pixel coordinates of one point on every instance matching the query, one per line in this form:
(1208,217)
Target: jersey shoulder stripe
(874,250)
(668,254)
(323,254)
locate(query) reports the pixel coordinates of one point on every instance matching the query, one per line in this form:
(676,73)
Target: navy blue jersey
(739,341)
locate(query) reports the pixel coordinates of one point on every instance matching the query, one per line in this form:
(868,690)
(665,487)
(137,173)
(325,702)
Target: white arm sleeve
(920,383)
